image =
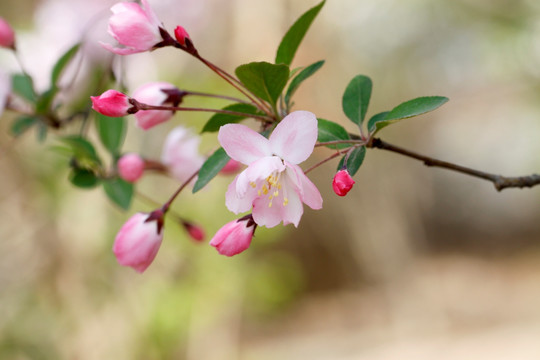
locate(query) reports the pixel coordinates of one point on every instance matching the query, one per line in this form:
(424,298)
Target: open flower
(138,241)
(151,94)
(273,184)
(135,27)
(181,153)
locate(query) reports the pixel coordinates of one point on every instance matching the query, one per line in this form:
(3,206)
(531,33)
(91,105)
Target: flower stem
(166,206)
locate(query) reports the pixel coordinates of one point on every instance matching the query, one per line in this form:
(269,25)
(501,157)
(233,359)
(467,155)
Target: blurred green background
(415,263)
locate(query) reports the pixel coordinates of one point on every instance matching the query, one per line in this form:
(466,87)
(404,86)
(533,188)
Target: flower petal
(286,208)
(243,144)
(309,194)
(236,203)
(294,137)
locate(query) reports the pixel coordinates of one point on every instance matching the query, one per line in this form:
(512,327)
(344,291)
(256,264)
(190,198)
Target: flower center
(272,188)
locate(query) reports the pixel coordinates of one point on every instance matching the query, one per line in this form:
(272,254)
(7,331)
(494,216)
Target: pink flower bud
(196,232)
(7,36)
(135,27)
(151,94)
(181,35)
(343,182)
(231,167)
(111,103)
(181,153)
(138,241)
(234,237)
(130,167)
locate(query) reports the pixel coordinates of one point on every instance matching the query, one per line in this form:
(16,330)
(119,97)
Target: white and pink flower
(151,94)
(273,184)
(135,27)
(181,153)
(138,241)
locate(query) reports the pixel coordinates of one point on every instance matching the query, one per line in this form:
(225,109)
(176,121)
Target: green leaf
(330,131)
(211,168)
(112,131)
(82,148)
(263,79)
(356,98)
(45,100)
(83,178)
(414,107)
(354,161)
(41,131)
(24,87)
(62,63)
(292,39)
(303,75)
(371,125)
(21,124)
(218,120)
(119,192)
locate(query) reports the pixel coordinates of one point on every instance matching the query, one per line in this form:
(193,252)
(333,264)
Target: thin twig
(500,182)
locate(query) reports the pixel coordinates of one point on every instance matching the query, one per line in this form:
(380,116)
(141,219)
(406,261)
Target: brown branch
(500,182)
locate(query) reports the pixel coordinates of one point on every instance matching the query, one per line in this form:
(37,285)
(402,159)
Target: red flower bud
(181,35)
(7,36)
(196,232)
(343,182)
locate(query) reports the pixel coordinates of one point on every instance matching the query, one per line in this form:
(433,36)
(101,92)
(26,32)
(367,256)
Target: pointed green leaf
(83,178)
(375,119)
(292,39)
(211,168)
(82,148)
(24,87)
(62,63)
(21,124)
(330,131)
(355,100)
(414,107)
(303,75)
(112,131)
(218,120)
(119,191)
(263,79)
(354,161)
(45,100)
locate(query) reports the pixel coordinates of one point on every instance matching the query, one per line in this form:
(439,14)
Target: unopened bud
(131,167)
(194,231)
(181,35)
(234,237)
(112,103)
(7,35)
(343,182)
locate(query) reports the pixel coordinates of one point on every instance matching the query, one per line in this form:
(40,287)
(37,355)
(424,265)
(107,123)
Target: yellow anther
(270,204)
(264,189)
(276,193)
(253,185)
(285,201)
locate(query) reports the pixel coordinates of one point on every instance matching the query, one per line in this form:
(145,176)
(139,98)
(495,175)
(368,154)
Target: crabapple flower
(343,182)
(234,237)
(111,103)
(181,35)
(135,27)
(7,35)
(151,94)
(130,167)
(273,184)
(194,231)
(138,241)
(181,153)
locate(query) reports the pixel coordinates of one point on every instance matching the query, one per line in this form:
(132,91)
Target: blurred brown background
(415,263)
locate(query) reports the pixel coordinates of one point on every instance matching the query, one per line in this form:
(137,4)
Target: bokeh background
(415,263)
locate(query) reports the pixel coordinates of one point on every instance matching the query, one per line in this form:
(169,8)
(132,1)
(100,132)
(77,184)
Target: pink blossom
(234,237)
(111,103)
(151,94)
(135,27)
(181,153)
(130,167)
(7,36)
(181,35)
(342,183)
(273,184)
(138,241)
(194,231)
